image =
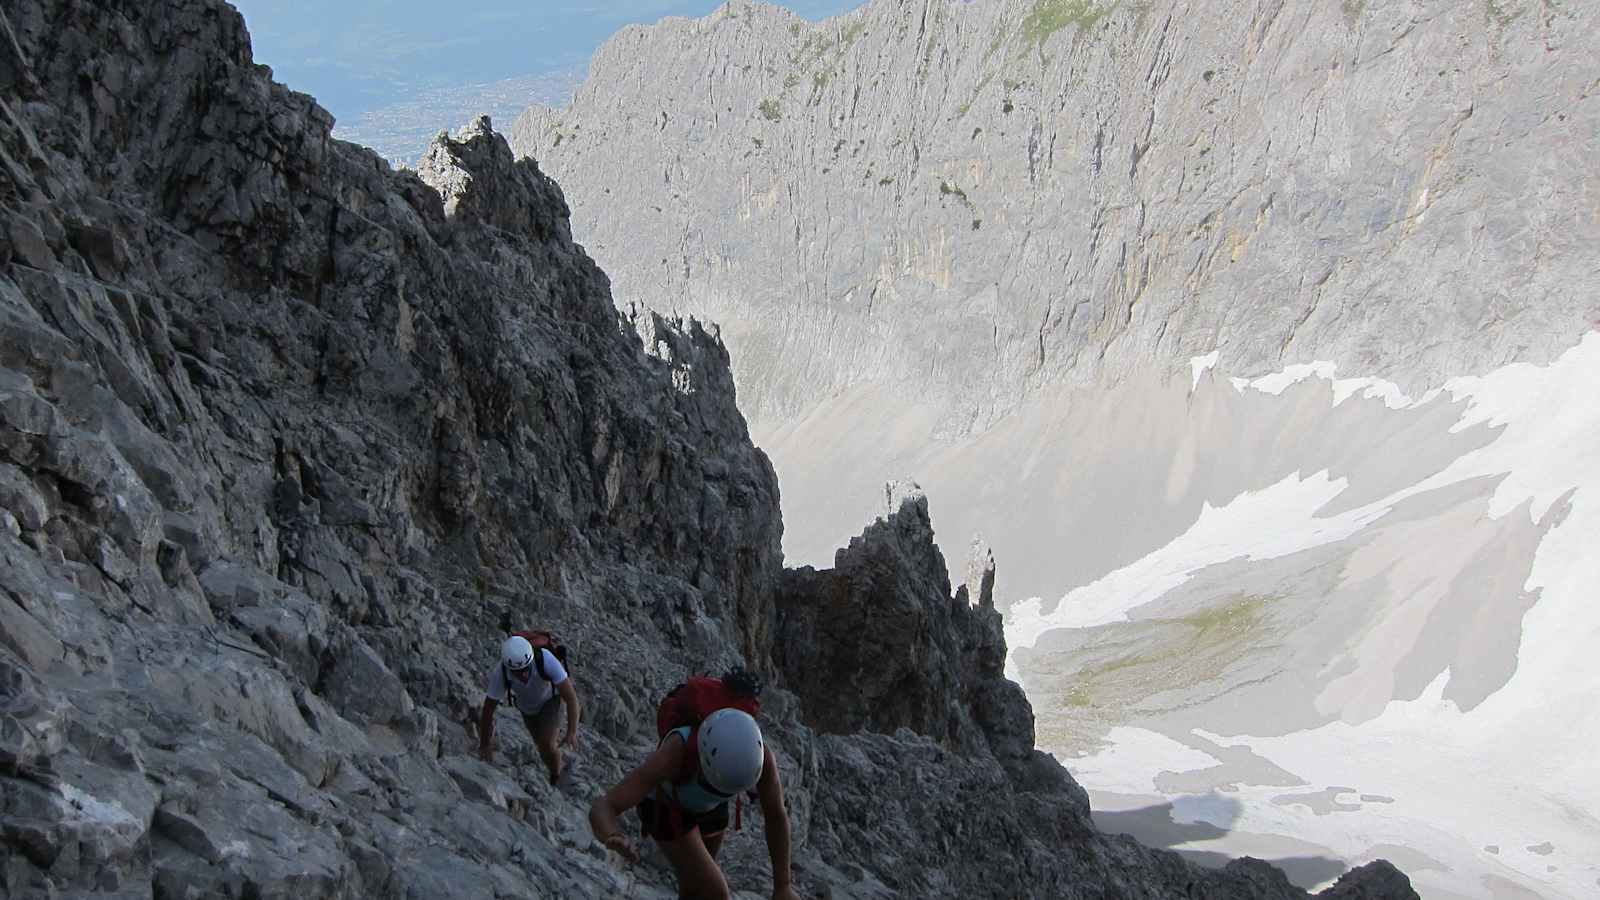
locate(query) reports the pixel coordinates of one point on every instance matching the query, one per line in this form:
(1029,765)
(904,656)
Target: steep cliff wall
(967,202)
(281,433)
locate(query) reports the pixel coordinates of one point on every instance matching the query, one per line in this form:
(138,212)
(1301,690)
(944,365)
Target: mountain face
(283,431)
(1253,336)
(976,199)
(944,210)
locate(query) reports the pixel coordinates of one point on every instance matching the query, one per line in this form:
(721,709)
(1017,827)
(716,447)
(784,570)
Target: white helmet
(516,653)
(731,751)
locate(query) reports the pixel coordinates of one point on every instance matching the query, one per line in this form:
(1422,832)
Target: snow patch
(1259,525)
(1368,387)
(1200,365)
(1423,752)
(1278,382)
(1551,420)
(1374,388)
(1527,751)
(1131,760)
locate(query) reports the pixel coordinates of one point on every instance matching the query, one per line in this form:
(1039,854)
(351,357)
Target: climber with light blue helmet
(683,789)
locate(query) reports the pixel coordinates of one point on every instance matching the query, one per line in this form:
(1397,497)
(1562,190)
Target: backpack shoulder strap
(511,691)
(691,752)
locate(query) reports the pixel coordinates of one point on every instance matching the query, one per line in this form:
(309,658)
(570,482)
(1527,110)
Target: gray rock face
(281,432)
(962,203)
(1376,879)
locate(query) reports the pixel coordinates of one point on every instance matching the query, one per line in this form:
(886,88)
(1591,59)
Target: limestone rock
(19,498)
(979,585)
(966,203)
(361,686)
(487,784)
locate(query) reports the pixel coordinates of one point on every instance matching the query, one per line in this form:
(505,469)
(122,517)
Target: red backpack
(689,703)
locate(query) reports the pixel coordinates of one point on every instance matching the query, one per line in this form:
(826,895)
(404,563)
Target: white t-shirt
(535,692)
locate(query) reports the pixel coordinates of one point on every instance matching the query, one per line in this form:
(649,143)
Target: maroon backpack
(543,640)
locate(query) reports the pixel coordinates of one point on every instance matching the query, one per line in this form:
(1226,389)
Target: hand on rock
(623,847)
(486,753)
(784,893)
(570,741)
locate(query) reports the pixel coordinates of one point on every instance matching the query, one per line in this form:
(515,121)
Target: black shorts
(658,821)
(543,724)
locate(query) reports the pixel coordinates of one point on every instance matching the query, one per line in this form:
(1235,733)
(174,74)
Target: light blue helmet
(731,751)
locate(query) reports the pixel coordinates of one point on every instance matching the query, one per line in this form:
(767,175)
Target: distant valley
(402,131)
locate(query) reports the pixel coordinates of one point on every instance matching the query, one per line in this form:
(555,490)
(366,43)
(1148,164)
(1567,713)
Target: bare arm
(770,791)
(486,728)
(635,786)
(569,699)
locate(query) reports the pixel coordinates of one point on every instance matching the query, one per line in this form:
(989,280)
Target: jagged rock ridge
(281,430)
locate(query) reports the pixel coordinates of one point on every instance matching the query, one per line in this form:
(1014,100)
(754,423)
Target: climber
(683,788)
(537,683)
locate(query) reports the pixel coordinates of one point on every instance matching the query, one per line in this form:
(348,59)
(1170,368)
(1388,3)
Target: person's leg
(647,817)
(713,826)
(543,726)
(699,877)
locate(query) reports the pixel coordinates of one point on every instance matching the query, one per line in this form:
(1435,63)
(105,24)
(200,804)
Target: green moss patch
(1050,16)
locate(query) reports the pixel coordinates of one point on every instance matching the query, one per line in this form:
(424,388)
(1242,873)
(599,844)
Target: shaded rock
(1373,880)
(33,722)
(80,822)
(360,685)
(885,616)
(231,686)
(244,844)
(229,587)
(25,636)
(288,626)
(19,497)
(29,245)
(479,179)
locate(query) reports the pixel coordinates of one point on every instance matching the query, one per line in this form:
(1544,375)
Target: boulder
(486,784)
(361,686)
(21,499)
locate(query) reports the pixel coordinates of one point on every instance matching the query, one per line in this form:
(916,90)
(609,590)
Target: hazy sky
(356,55)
